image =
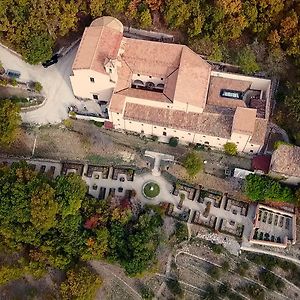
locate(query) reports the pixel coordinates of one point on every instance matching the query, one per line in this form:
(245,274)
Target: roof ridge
(100,35)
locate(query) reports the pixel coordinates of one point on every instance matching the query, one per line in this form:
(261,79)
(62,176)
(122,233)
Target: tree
(176,13)
(10,121)
(145,19)
(173,141)
(247,61)
(70,191)
(193,163)
(292,101)
(81,283)
(43,207)
(38,48)
(230,148)
(97,7)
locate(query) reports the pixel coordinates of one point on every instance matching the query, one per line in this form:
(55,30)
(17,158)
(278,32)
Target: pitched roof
(186,74)
(261,162)
(193,79)
(260,131)
(151,58)
(244,120)
(286,160)
(117,102)
(97,44)
(210,124)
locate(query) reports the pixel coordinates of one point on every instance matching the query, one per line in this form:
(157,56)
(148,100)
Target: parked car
(13,73)
(53,60)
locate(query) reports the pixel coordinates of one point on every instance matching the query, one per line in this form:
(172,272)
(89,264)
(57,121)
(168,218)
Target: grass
(151,190)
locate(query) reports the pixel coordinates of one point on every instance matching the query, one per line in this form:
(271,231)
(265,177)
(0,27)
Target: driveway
(56,85)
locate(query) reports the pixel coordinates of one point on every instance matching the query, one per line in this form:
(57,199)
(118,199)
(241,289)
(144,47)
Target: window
(138,75)
(206,143)
(129,122)
(174,130)
(237,142)
(142,131)
(154,126)
(189,133)
(95,97)
(204,136)
(161,79)
(218,139)
(251,151)
(164,133)
(118,113)
(165,128)
(251,145)
(150,76)
(118,119)
(92,79)
(110,70)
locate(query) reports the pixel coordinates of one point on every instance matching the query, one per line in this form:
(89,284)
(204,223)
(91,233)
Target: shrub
(230,148)
(211,293)
(217,248)
(278,143)
(225,266)
(242,268)
(247,61)
(8,274)
(224,289)
(270,280)
(265,188)
(38,86)
(68,123)
(3,81)
(174,287)
(215,272)
(173,141)
(181,232)
(255,291)
(193,163)
(98,124)
(154,138)
(80,283)
(14,82)
(147,293)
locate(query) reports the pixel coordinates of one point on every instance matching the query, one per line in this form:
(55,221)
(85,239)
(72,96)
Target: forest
(258,35)
(53,223)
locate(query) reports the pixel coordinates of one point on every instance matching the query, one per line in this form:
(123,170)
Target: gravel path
(55,81)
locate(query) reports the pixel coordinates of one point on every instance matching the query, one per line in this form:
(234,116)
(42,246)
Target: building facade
(167,90)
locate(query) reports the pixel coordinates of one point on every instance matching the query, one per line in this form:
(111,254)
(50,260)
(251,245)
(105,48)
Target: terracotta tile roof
(170,84)
(218,83)
(116,103)
(124,76)
(260,131)
(144,94)
(97,44)
(193,79)
(286,160)
(244,120)
(210,124)
(151,58)
(186,74)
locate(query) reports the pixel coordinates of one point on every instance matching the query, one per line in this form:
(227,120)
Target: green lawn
(151,189)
